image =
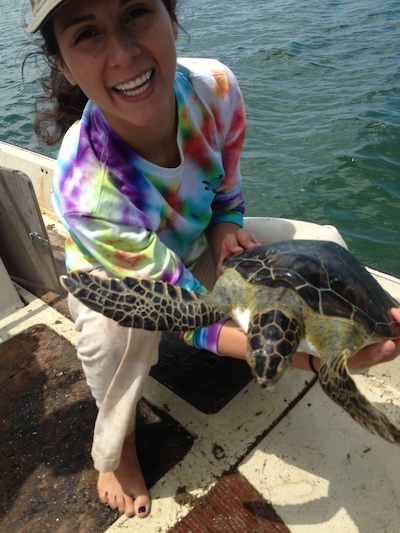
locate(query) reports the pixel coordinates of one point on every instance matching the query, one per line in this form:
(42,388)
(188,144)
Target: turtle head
(273,338)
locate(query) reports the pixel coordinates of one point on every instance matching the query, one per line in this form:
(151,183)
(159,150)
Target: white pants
(117,360)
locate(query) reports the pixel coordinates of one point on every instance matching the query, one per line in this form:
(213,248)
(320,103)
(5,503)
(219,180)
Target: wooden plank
(39,168)
(24,244)
(231,505)
(9,298)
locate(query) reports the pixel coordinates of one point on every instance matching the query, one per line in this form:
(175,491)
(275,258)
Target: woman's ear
(175,30)
(62,67)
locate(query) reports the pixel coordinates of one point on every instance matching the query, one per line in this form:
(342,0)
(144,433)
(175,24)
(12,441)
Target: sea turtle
(306,295)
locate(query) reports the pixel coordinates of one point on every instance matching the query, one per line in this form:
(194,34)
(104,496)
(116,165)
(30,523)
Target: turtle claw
(78,284)
(69,283)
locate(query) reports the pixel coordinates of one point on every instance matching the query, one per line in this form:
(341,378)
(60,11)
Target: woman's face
(122,55)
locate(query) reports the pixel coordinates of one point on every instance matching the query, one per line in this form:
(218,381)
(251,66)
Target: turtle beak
(266,368)
(264,384)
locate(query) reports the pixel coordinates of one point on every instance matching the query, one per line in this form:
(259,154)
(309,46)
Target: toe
(103,497)
(122,504)
(142,506)
(129,507)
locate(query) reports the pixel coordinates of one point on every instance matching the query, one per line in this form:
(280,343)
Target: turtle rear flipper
(142,303)
(337,383)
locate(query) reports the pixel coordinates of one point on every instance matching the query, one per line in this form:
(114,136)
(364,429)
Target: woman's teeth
(136,86)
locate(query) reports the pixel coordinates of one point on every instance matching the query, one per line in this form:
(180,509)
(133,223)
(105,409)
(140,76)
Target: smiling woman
(146,136)
(148,185)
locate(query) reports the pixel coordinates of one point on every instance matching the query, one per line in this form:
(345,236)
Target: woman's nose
(122,48)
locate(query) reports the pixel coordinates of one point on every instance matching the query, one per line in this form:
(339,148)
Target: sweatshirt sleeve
(124,251)
(228,205)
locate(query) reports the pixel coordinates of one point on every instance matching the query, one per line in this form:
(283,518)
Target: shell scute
(248,268)
(333,304)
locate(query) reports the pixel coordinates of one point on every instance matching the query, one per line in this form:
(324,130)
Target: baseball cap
(42,10)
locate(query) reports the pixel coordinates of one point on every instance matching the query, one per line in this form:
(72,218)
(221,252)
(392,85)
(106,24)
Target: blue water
(321,82)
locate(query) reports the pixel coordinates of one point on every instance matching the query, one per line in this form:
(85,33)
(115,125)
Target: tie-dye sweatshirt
(137,219)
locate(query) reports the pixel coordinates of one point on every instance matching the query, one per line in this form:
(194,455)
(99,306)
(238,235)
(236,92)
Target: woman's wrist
(205,338)
(301,361)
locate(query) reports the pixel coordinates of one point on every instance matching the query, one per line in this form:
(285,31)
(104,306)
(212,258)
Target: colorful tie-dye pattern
(137,219)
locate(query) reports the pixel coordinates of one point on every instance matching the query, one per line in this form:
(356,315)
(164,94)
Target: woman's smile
(136,86)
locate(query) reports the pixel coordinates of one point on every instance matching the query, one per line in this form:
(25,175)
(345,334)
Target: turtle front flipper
(142,303)
(273,338)
(337,383)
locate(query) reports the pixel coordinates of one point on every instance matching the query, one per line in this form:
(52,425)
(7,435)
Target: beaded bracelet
(312,367)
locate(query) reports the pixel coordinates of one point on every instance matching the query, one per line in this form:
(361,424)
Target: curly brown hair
(62,104)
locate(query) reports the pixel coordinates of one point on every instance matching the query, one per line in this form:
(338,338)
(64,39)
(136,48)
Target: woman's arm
(232,342)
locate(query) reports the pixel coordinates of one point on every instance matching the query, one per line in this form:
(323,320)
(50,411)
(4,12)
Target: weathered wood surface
(24,243)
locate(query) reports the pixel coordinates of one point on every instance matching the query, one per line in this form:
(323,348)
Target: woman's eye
(85,34)
(137,12)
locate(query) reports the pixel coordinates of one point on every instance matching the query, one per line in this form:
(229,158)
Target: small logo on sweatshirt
(214,184)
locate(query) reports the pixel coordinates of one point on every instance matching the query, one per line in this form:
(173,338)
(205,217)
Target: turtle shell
(327,277)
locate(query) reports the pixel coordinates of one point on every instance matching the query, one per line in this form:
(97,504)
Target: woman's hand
(381,352)
(371,355)
(235,243)
(374,354)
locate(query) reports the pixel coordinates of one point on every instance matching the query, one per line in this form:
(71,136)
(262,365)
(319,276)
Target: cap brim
(43,15)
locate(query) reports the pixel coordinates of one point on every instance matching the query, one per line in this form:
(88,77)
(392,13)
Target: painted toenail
(142,509)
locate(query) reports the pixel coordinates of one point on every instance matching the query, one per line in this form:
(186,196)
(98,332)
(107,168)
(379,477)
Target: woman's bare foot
(125,489)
